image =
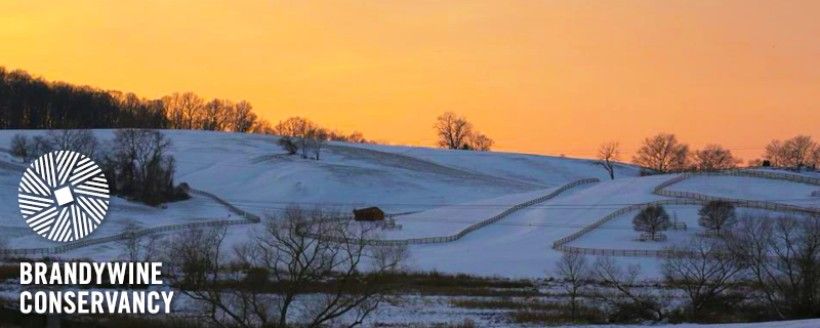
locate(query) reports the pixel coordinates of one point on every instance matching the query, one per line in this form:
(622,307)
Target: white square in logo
(63,196)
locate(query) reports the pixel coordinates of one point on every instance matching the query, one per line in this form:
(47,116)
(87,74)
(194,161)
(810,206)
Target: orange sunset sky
(549,77)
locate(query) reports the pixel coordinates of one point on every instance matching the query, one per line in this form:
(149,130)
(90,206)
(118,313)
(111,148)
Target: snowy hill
(253,173)
(438,193)
(398,179)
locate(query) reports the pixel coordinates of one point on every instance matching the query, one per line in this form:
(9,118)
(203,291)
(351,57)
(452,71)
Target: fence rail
(471,228)
(679,198)
(246,218)
(743,173)
(685,198)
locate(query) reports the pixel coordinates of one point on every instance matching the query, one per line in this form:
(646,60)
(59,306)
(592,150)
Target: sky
(546,77)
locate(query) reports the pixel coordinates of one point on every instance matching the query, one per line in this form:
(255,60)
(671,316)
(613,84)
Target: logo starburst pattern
(63,196)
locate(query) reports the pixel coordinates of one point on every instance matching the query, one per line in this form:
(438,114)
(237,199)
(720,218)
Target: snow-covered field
(435,192)
(439,312)
(251,172)
(444,191)
(749,188)
(619,234)
(521,245)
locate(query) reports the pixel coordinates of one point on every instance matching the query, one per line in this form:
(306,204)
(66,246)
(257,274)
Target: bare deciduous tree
(704,270)
(574,271)
(453,131)
(630,302)
(651,220)
(81,141)
(140,166)
(194,261)
(717,215)
(262,127)
(216,115)
(20,147)
(775,154)
(782,255)
(242,118)
(137,246)
(3,247)
(131,242)
(305,137)
(316,139)
(184,111)
(608,153)
(662,153)
(713,158)
(480,142)
(297,261)
(356,137)
(295,127)
(795,152)
(39,146)
(329,279)
(391,258)
(302,133)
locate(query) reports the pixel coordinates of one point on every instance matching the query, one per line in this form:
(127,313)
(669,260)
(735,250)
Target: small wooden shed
(368,214)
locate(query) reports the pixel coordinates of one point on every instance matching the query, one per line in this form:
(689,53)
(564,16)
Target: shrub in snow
(288,145)
(19,147)
(81,141)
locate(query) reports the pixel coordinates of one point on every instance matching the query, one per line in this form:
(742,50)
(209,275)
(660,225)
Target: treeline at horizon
(28,102)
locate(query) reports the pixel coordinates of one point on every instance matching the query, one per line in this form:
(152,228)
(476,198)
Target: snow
(251,172)
(524,167)
(809,323)
(439,311)
(750,188)
(804,172)
(618,233)
(446,191)
(450,219)
(521,245)
(121,213)
(348,175)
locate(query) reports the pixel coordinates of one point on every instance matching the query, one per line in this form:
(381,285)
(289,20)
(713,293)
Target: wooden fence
(679,198)
(471,228)
(246,218)
(685,198)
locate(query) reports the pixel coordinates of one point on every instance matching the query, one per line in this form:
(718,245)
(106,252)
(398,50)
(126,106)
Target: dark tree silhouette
(32,103)
(662,153)
(20,147)
(714,157)
(608,153)
(453,131)
(140,167)
(27,102)
(651,220)
(795,152)
(717,215)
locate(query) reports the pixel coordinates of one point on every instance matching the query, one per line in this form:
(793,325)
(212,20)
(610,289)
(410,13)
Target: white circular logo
(63,196)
